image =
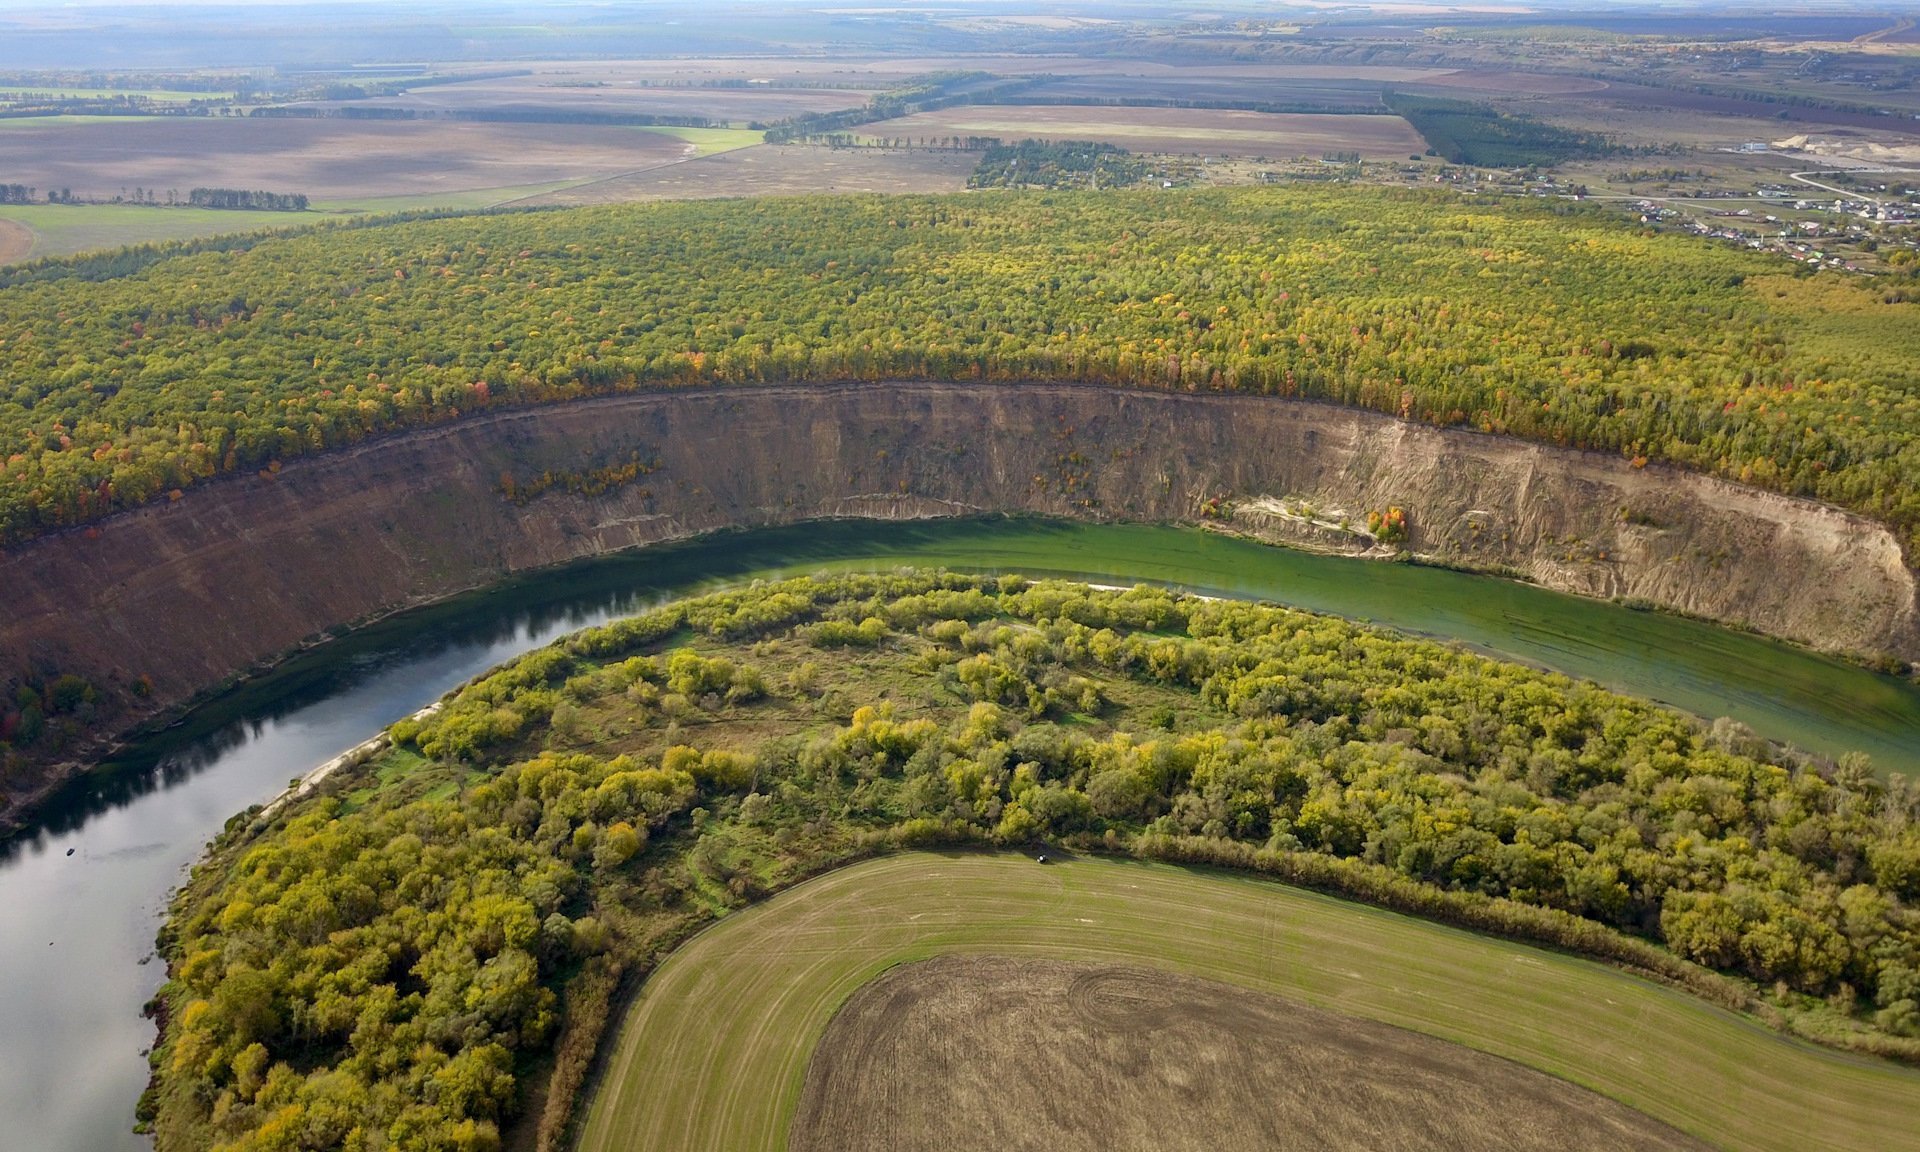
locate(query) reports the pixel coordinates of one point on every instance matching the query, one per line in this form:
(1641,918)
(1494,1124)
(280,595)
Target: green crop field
(712,141)
(66,229)
(452,198)
(715,1051)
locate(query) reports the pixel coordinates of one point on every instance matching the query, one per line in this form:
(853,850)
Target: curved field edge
(713,1054)
(306,920)
(981,1051)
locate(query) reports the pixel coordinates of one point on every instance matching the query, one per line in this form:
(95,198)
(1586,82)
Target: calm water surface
(76,930)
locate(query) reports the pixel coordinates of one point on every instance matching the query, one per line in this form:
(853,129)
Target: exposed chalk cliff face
(242,569)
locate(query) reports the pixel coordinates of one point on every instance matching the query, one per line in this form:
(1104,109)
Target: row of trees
(925,94)
(197,198)
(241,198)
(507,114)
(377,967)
(1554,322)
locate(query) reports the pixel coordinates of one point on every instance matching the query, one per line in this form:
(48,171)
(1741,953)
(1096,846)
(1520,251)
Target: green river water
(82,894)
(1782,692)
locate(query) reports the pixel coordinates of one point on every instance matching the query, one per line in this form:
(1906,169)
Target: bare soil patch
(325,159)
(1787,118)
(1299,93)
(856,72)
(1094,66)
(881,71)
(779,170)
(16,241)
(1206,131)
(1019,1054)
(1493,82)
(617,89)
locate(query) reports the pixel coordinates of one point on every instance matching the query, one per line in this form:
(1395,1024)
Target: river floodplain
(75,928)
(715,1052)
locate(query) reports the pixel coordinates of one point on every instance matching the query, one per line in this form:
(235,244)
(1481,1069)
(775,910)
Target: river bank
(245,569)
(74,928)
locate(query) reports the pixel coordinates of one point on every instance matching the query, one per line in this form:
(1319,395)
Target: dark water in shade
(74,929)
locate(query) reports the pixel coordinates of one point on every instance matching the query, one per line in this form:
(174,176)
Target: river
(82,895)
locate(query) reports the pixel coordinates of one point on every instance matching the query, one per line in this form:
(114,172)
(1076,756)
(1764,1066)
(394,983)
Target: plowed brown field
(714,1054)
(16,241)
(1204,131)
(1043,1056)
(324,159)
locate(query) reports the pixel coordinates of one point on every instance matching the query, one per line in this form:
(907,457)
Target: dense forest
(389,961)
(1555,322)
(1468,133)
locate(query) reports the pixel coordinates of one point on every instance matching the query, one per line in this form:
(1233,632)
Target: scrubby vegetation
(1058,164)
(1553,322)
(387,963)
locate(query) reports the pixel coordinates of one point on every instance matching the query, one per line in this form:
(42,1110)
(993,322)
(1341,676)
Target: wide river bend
(82,894)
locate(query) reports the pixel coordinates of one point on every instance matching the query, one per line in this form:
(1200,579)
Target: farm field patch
(324,159)
(867,72)
(1498,82)
(16,241)
(470,198)
(959,1050)
(1149,69)
(1178,130)
(715,1051)
(65,229)
(713,141)
(778,170)
(618,90)
(1787,119)
(1296,93)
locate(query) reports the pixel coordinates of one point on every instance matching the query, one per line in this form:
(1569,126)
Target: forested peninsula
(1552,321)
(394,960)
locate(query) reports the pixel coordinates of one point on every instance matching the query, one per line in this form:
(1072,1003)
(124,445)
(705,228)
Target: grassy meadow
(715,1051)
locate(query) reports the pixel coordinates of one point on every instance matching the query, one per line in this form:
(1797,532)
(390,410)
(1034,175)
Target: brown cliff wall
(245,568)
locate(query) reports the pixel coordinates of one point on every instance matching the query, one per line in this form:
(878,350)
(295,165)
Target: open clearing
(713,141)
(1684,106)
(713,1055)
(16,241)
(778,170)
(587,86)
(1203,130)
(325,159)
(1043,1056)
(1489,82)
(62,229)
